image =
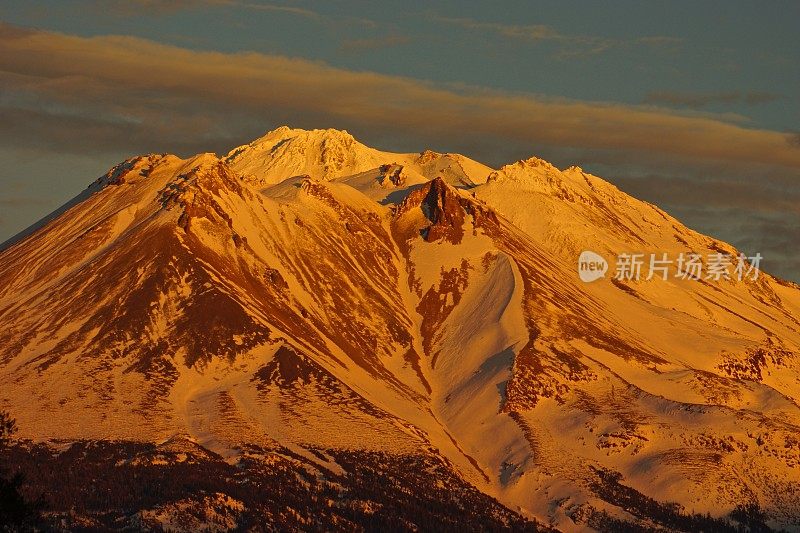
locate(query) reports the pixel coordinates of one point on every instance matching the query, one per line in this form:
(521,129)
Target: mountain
(356,325)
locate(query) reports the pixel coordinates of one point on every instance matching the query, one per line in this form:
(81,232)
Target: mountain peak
(315,135)
(426,156)
(284,134)
(329,154)
(286,152)
(535,161)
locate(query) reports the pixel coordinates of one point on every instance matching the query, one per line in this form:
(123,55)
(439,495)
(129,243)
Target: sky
(693,106)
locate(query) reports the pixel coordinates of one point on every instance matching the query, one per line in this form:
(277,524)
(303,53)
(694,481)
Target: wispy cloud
(373,43)
(663,41)
(294,10)
(697,100)
(533,33)
(331,20)
(129,8)
(570,44)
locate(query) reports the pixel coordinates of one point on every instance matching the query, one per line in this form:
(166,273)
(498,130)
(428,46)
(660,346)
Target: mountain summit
(317,305)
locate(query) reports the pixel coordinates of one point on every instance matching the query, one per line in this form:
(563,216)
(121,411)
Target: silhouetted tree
(16,514)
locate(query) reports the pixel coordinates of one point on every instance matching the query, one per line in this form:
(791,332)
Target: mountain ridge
(308,292)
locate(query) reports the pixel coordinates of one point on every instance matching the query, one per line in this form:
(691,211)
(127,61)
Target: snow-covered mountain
(308,295)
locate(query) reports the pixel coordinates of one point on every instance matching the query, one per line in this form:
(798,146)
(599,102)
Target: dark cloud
(71,133)
(10,32)
(700,100)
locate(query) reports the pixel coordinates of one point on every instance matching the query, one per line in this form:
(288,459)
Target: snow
(296,237)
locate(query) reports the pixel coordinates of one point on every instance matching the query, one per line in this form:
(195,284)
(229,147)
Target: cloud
(294,10)
(145,85)
(131,8)
(659,41)
(366,44)
(533,33)
(571,44)
(59,132)
(128,8)
(700,100)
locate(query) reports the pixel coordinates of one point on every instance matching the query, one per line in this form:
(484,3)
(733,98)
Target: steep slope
(309,293)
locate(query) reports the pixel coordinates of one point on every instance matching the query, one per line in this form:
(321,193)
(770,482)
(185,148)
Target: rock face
(442,207)
(343,312)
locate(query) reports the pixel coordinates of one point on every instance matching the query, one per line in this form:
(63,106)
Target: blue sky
(692,105)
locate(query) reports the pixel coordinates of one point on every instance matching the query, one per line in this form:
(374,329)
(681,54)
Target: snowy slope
(307,291)
(331,154)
